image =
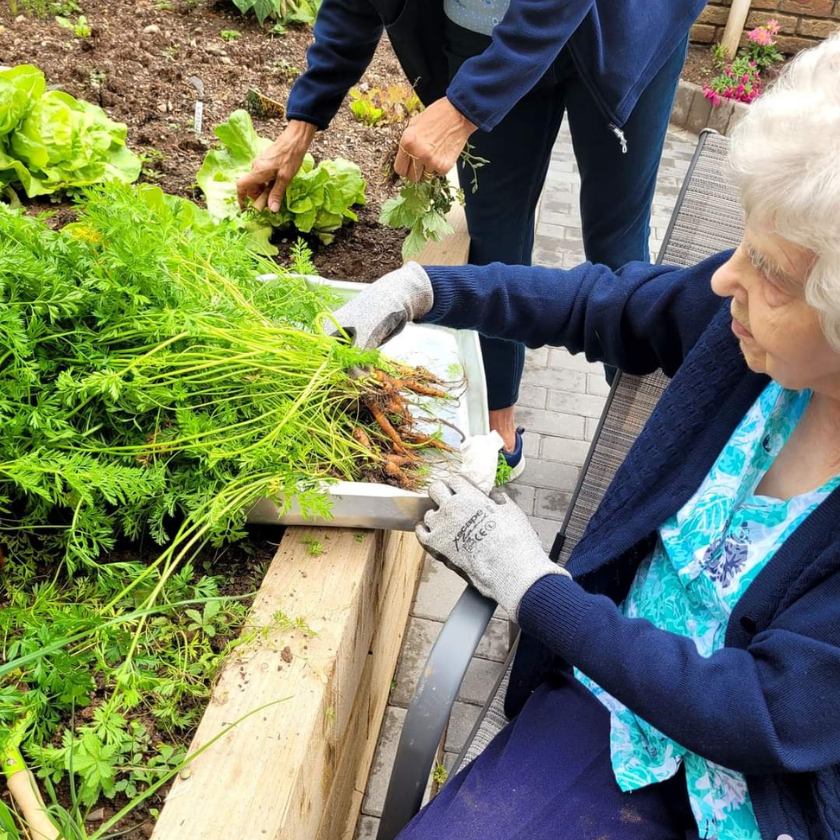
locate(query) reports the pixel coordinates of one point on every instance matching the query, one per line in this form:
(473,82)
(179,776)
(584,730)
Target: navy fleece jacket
(618,46)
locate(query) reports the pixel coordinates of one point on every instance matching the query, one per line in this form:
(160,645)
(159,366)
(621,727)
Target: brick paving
(560,402)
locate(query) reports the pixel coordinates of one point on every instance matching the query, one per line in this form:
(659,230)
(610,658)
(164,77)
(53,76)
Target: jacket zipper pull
(620,135)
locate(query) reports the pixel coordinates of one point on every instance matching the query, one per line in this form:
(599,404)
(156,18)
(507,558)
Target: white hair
(786,157)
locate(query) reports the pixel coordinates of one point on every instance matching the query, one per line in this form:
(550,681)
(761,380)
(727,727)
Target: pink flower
(760,36)
(773,26)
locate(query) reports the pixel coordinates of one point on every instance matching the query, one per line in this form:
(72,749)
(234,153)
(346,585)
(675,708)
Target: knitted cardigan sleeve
(638,319)
(772,707)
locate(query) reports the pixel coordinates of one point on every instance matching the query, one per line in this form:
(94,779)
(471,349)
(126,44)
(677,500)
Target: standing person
(513,67)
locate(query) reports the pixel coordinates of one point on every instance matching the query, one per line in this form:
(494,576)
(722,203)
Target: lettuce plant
(384,106)
(50,141)
(317,200)
(301,12)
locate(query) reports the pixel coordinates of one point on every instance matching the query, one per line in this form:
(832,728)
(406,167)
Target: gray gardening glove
(382,309)
(490,542)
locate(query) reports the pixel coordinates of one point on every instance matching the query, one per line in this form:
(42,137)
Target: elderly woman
(693,684)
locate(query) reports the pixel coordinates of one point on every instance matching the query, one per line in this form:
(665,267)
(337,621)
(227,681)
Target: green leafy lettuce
(285,11)
(50,141)
(317,200)
(20,87)
(422,209)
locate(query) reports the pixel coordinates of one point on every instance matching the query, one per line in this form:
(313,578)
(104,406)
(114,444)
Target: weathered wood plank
(453,249)
(271,775)
(403,558)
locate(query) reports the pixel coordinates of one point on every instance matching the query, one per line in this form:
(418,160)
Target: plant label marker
(198,86)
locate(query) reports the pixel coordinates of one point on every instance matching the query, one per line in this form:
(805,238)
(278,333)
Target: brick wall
(803,23)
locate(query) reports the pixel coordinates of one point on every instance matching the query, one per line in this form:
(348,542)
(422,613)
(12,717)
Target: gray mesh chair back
(707,219)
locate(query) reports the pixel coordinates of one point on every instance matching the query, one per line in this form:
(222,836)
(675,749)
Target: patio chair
(707,219)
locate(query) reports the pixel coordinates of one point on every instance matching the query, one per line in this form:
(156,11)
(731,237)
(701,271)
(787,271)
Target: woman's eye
(774,294)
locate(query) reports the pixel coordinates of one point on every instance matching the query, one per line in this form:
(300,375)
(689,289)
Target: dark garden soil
(698,65)
(241,568)
(137,64)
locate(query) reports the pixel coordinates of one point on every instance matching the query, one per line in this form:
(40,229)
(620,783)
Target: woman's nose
(725,281)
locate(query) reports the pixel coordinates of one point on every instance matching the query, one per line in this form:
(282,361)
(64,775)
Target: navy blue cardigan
(768,703)
(618,46)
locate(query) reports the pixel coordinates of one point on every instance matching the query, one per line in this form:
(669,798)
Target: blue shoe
(516,460)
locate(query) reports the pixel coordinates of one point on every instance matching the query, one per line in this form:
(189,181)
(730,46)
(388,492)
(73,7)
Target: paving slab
(479,681)
(383,762)
(421,635)
(439,590)
(464,716)
(366,828)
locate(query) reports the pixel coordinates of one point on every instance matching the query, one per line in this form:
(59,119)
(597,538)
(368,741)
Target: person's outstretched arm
(346,34)
(525,43)
(638,319)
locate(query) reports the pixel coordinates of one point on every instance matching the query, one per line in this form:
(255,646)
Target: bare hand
(274,167)
(432,141)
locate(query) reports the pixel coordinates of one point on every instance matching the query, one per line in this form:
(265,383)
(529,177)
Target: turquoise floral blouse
(705,558)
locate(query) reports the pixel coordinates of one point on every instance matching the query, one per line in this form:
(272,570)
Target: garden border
(694,112)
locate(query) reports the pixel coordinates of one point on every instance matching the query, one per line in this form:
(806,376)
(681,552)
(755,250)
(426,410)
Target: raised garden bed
(693,110)
(137,64)
(354,592)
(699,66)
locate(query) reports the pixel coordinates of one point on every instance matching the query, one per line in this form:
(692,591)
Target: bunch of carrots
(151,383)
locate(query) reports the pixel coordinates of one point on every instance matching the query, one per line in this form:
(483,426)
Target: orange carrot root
(420,374)
(390,384)
(385,424)
(396,407)
(393,471)
(425,440)
(361,436)
(424,390)
(398,460)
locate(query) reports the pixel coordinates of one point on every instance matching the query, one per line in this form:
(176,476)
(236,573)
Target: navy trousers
(548,776)
(616,188)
